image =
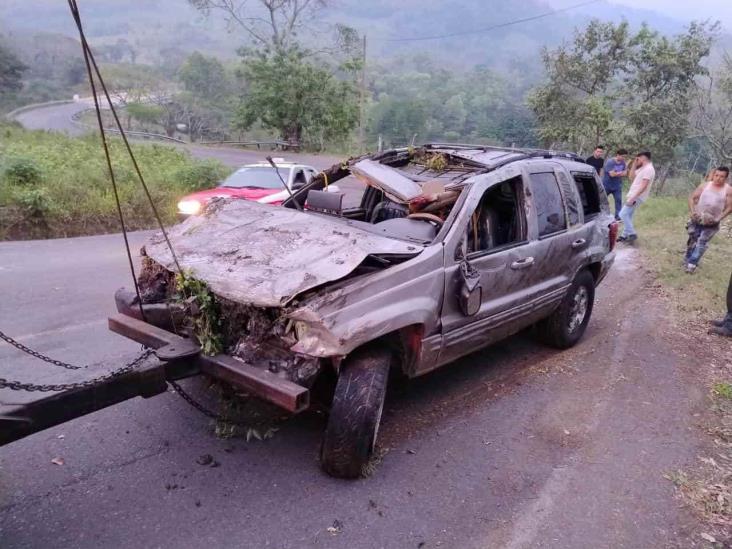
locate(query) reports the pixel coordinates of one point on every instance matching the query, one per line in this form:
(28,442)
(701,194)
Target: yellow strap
(325,176)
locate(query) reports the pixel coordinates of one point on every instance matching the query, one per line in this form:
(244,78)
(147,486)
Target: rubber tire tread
(553,330)
(356,412)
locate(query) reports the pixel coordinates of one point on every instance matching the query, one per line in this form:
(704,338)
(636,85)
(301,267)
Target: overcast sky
(699,9)
(678,9)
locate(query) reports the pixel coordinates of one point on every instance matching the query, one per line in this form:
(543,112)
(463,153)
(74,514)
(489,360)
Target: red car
(257,182)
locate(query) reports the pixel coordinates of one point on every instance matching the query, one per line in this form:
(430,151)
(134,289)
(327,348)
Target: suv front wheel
(566,325)
(350,436)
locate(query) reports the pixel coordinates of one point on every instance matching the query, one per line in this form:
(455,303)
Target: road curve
(58,118)
(53,118)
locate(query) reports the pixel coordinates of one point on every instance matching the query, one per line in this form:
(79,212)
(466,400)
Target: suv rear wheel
(566,325)
(353,424)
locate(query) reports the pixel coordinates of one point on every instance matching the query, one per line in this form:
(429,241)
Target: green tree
(204,76)
(145,113)
(620,88)
(11,72)
(399,120)
(658,93)
(575,106)
(712,113)
(303,102)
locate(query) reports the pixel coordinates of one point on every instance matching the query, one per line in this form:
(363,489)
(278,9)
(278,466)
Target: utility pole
(362,98)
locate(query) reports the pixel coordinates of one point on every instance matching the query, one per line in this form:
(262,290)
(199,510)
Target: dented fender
(337,321)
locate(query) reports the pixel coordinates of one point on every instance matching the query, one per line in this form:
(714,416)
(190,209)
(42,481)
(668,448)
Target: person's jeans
(626,215)
(617,194)
(699,237)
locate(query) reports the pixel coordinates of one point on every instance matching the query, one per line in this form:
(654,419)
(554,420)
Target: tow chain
(18,345)
(33,387)
(205,411)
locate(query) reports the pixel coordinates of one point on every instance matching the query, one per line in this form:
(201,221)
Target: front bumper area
(257,381)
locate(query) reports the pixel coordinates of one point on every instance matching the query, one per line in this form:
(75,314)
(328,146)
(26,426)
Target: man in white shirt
(642,173)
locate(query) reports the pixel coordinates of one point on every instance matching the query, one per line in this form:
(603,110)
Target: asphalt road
(53,118)
(516,446)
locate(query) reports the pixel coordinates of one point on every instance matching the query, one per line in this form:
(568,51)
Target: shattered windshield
(263,177)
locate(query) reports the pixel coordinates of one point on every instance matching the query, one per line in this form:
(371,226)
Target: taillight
(614,228)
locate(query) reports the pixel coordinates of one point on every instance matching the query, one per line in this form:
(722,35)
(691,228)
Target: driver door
(497,245)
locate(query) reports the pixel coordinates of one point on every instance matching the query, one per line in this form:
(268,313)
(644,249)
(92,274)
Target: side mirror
(470,293)
(333,189)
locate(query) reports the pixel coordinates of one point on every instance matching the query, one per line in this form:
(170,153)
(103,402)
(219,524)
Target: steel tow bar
(147,380)
(257,381)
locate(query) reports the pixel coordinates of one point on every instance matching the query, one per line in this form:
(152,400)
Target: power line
(494,27)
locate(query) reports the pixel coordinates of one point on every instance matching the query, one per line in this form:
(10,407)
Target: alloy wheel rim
(578,312)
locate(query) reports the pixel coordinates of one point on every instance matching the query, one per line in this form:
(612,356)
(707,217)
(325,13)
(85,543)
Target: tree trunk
(662,180)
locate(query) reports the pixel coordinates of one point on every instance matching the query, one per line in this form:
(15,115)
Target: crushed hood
(265,255)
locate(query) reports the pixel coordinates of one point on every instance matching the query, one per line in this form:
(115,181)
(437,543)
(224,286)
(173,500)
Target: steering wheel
(432,218)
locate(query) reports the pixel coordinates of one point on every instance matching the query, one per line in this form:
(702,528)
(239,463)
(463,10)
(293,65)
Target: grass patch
(52,185)
(661,225)
(722,390)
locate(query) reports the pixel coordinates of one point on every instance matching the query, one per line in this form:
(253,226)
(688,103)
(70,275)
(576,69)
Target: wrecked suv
(450,249)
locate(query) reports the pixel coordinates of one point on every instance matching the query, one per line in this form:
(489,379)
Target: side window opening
(548,203)
(498,220)
(589,194)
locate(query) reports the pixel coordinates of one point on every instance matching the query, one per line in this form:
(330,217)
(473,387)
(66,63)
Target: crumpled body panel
(264,255)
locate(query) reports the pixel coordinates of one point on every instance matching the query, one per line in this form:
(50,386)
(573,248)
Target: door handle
(579,243)
(522,263)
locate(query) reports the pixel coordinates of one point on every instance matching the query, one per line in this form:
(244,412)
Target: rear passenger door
(557,219)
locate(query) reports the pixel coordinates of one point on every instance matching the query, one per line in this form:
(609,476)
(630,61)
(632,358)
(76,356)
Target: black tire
(355,415)
(564,328)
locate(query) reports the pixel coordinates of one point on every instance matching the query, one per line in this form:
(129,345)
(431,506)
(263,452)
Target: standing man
(596,160)
(642,173)
(614,171)
(724,327)
(709,204)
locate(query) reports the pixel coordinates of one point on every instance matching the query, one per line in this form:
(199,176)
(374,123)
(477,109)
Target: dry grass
(707,487)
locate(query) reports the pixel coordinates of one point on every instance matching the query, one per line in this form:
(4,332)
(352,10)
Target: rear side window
(589,194)
(570,198)
(548,203)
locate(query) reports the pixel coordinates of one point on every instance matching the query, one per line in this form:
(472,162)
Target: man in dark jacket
(724,327)
(614,171)
(597,159)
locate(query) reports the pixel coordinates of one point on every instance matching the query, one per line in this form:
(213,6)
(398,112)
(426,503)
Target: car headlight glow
(189,207)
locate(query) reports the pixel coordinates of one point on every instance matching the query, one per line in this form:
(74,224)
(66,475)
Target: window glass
(570,198)
(548,203)
(498,220)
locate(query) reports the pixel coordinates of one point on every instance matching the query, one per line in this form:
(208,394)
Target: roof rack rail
(547,153)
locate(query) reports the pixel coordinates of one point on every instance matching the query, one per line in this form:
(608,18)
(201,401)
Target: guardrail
(284,145)
(74,118)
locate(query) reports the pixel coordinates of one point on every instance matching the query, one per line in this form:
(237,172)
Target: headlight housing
(189,207)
